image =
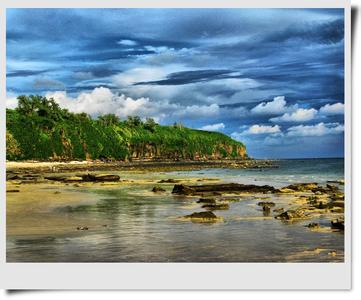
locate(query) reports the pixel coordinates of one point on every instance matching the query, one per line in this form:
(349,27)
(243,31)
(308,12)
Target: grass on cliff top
(40,129)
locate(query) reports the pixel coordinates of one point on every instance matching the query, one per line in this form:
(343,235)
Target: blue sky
(272,78)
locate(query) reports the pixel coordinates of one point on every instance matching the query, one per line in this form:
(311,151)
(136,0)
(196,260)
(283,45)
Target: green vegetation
(40,129)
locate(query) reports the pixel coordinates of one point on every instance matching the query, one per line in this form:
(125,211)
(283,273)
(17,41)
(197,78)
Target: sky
(271,78)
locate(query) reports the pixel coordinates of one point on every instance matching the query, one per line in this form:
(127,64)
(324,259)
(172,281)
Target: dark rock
(291,214)
(266,203)
(207,200)
(313,225)
(12,177)
(170,180)
(279,210)
(266,208)
(12,191)
(100,177)
(302,187)
(338,224)
(82,228)
(221,206)
(219,188)
(158,189)
(204,215)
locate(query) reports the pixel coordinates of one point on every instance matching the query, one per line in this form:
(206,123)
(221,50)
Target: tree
(134,121)
(12,146)
(108,120)
(150,124)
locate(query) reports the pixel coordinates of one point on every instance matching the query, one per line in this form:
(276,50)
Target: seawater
(136,225)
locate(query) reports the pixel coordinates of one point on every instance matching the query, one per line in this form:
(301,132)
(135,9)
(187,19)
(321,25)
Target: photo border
(175,276)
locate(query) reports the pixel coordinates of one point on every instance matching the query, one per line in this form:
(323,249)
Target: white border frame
(190,276)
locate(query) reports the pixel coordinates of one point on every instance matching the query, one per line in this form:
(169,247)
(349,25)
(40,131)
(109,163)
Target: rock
(332,187)
(338,224)
(12,177)
(341,182)
(13,191)
(100,177)
(73,179)
(158,189)
(291,214)
(207,200)
(266,203)
(266,208)
(286,191)
(170,180)
(202,216)
(313,225)
(82,228)
(219,188)
(302,187)
(332,253)
(221,206)
(57,192)
(278,210)
(338,203)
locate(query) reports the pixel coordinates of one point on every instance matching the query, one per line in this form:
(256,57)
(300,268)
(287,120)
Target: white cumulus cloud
(103,101)
(213,127)
(299,115)
(276,106)
(333,109)
(319,129)
(11,102)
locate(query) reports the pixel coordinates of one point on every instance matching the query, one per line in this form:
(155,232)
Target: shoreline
(136,165)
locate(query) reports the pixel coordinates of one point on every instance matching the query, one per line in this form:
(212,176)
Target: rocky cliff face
(151,151)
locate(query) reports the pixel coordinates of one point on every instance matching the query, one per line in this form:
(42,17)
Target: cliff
(40,129)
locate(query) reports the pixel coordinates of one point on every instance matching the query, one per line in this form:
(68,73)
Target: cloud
(47,84)
(186,77)
(261,129)
(333,109)
(276,106)
(127,43)
(319,129)
(256,129)
(25,73)
(300,115)
(103,101)
(213,127)
(11,102)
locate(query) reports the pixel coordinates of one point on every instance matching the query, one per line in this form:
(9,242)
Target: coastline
(135,165)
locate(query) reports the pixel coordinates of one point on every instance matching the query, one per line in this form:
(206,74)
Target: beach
(69,219)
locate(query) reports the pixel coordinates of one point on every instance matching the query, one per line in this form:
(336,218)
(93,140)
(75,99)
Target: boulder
(266,203)
(158,189)
(291,214)
(207,200)
(313,225)
(100,177)
(338,224)
(221,206)
(302,187)
(221,188)
(204,216)
(278,210)
(170,180)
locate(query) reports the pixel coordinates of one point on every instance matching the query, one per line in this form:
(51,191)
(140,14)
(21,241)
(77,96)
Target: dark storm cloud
(25,73)
(186,77)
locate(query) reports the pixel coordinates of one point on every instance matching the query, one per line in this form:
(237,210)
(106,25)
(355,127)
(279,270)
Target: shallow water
(128,223)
